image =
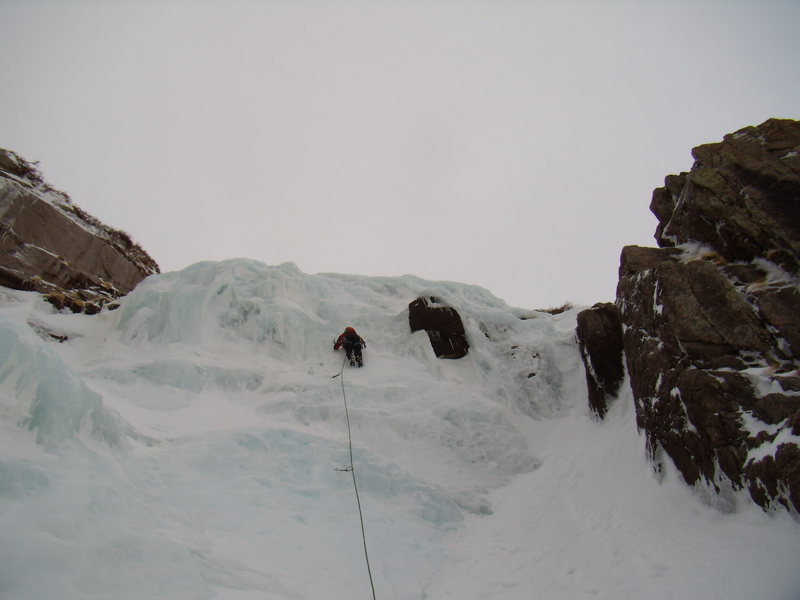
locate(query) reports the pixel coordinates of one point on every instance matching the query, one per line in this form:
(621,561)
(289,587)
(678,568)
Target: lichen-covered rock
(711,318)
(443,324)
(599,333)
(49,245)
(741,197)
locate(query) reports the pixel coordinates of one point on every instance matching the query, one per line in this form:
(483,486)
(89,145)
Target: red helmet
(349,330)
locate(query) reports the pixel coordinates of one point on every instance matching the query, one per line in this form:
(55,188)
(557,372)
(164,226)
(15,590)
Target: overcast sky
(509,144)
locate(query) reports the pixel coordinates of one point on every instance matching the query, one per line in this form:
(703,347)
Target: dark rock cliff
(600,339)
(711,319)
(740,198)
(49,245)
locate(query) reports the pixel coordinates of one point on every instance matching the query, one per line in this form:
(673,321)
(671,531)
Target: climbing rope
(352,470)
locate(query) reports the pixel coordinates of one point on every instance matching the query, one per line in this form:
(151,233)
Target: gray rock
(49,245)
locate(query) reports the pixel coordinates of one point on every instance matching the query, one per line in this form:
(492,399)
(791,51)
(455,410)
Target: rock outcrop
(712,317)
(599,335)
(740,198)
(443,324)
(49,245)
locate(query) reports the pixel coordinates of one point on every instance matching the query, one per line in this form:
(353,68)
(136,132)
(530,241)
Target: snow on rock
(190,446)
(48,244)
(718,300)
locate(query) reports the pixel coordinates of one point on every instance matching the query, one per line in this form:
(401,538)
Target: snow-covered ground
(186,446)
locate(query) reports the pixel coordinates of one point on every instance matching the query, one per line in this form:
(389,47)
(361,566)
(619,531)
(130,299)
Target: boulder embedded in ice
(443,325)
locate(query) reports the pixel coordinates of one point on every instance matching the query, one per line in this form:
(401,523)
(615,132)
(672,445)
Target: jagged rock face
(599,334)
(47,244)
(741,198)
(711,338)
(443,324)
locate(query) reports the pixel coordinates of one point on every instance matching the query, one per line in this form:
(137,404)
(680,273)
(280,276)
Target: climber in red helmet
(352,343)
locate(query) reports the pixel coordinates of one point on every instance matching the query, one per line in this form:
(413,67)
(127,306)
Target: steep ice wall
(39,392)
(278,325)
(222,479)
(234,429)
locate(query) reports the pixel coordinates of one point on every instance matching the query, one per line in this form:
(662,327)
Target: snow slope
(186,446)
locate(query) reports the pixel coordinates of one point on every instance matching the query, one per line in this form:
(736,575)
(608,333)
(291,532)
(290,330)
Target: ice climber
(353,343)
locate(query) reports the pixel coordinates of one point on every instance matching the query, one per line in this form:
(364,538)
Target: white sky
(513,145)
